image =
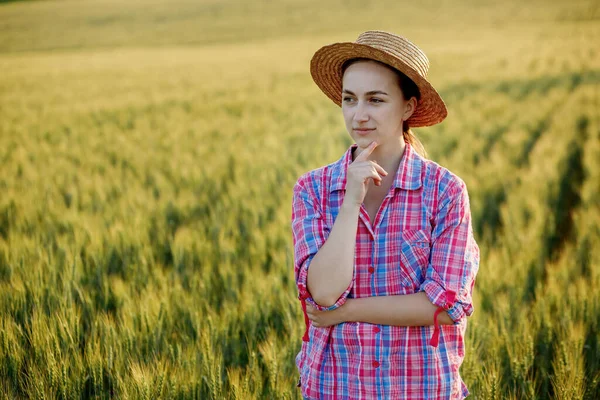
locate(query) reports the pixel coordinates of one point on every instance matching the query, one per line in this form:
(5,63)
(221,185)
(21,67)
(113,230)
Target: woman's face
(373,105)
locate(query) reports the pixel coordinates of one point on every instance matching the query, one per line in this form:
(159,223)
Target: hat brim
(326,71)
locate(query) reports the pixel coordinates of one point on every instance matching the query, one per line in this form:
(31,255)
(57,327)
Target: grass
(148,151)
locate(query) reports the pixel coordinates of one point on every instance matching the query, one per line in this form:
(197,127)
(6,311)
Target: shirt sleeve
(454,260)
(310,232)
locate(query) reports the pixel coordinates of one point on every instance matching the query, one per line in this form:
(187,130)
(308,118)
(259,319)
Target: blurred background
(148,151)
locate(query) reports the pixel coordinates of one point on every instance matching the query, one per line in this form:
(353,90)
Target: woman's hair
(409,89)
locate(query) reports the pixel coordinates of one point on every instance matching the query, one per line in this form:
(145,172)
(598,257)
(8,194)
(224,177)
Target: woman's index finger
(366,152)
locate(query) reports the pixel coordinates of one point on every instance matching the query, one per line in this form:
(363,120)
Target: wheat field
(148,151)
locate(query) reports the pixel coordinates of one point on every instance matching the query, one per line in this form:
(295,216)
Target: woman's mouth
(363,131)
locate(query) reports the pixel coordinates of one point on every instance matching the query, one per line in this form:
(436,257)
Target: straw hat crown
(391,49)
(399,47)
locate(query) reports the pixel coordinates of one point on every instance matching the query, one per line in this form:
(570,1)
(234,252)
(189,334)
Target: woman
(384,255)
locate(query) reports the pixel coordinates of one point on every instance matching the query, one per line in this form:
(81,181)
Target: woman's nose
(360,112)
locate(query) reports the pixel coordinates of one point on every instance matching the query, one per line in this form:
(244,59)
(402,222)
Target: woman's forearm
(331,269)
(402,310)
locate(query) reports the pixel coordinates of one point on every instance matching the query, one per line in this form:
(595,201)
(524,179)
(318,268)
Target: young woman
(384,254)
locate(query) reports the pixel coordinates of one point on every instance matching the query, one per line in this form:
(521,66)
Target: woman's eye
(377,100)
(347,98)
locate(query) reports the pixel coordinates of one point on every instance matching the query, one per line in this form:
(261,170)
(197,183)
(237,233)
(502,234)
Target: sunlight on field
(149,151)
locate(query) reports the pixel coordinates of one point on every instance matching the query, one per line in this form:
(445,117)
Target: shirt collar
(408,176)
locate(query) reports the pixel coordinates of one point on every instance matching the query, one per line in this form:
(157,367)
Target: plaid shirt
(421,240)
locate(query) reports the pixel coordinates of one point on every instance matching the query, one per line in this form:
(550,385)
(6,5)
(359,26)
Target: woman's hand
(358,175)
(323,319)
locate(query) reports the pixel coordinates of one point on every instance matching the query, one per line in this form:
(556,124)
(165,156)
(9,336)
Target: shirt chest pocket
(410,259)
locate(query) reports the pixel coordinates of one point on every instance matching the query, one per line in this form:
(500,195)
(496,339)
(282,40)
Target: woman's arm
(402,310)
(332,268)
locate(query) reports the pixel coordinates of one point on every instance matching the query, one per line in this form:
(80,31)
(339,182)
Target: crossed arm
(402,310)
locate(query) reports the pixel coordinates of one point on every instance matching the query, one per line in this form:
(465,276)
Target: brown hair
(408,89)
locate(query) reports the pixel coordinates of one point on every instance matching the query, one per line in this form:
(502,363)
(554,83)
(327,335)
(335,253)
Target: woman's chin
(364,142)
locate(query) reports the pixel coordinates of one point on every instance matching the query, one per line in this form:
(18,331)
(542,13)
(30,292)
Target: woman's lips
(363,131)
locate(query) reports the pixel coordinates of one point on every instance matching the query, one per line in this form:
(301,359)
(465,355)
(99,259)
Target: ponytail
(411,138)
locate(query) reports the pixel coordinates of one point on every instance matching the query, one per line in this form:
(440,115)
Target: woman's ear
(411,106)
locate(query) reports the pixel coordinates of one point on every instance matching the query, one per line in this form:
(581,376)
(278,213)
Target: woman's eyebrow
(370,93)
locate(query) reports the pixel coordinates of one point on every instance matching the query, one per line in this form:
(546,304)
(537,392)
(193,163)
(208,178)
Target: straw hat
(391,49)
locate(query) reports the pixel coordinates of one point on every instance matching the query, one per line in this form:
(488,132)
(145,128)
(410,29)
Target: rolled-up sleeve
(310,232)
(454,259)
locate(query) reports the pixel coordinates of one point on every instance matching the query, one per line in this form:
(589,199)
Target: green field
(148,151)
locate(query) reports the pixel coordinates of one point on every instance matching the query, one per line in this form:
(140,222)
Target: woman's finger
(373,174)
(366,152)
(371,171)
(379,168)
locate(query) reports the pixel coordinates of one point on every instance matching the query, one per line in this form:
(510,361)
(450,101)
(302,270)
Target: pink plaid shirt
(421,240)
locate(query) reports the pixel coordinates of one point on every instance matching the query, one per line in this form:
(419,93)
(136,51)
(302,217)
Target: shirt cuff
(438,295)
(305,295)
(340,301)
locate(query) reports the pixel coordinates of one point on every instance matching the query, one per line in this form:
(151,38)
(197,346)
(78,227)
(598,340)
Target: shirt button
(371,269)
(376,329)
(375,364)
